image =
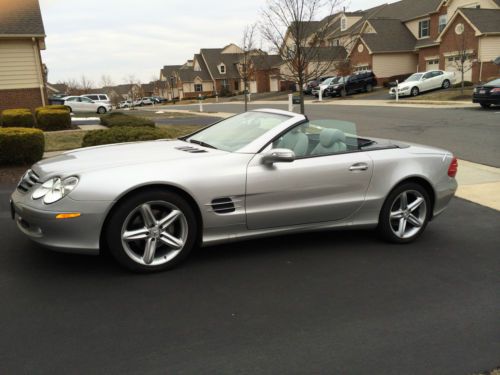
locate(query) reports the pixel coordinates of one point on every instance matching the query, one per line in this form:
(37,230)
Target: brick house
(22,73)
(408,36)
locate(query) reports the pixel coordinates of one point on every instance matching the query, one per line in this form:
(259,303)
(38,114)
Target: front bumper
(486,100)
(77,235)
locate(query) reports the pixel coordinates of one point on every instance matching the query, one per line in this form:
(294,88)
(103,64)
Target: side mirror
(278,155)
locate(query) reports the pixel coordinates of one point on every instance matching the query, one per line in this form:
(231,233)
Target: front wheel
(343,93)
(485,105)
(415,91)
(405,213)
(369,88)
(151,231)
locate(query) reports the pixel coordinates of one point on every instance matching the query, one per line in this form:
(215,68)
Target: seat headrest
(328,137)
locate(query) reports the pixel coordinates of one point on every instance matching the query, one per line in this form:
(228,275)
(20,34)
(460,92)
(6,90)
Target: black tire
(369,88)
(70,109)
(343,93)
(414,91)
(446,84)
(119,215)
(101,110)
(485,105)
(385,227)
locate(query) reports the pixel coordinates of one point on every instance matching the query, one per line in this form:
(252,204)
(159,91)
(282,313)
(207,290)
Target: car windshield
(328,81)
(495,82)
(238,131)
(414,77)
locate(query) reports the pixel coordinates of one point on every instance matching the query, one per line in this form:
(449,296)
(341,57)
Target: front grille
(223,205)
(29,180)
(190,149)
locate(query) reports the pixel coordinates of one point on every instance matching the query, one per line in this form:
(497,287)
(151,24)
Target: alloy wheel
(154,233)
(408,214)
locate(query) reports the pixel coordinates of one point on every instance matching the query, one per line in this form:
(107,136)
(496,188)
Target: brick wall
(489,72)
(361,58)
(426,52)
(20,98)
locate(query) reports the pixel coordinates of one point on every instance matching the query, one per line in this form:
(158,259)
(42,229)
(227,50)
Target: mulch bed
(11,175)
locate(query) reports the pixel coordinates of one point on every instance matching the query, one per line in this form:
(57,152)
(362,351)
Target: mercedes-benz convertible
(259,173)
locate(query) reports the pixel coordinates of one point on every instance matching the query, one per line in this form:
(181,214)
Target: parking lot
(326,302)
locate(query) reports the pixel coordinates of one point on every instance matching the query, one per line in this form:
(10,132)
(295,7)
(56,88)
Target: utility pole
(245,77)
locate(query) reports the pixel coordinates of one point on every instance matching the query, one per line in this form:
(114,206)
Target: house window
(224,83)
(222,69)
(198,87)
(442,22)
(236,86)
(423,29)
(343,23)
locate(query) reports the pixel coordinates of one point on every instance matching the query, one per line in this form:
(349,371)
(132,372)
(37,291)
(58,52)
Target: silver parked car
(263,172)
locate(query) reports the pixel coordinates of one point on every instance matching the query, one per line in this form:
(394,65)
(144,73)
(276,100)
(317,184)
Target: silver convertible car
(263,172)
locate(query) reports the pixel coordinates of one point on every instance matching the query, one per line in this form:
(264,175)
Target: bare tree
(72,86)
(86,85)
(462,61)
(135,87)
(106,81)
(291,27)
(248,43)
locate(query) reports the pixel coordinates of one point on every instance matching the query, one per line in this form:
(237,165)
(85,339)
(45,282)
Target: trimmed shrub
(54,106)
(466,84)
(121,119)
(21,146)
(53,119)
(127,134)
(17,118)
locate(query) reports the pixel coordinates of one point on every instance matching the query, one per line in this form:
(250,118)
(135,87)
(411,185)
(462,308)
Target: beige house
(22,73)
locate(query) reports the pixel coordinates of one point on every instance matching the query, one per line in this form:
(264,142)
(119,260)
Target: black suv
(360,82)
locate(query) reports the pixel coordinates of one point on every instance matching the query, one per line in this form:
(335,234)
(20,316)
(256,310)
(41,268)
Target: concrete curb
(479,184)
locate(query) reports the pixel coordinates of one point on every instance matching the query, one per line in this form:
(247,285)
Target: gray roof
(425,43)
(405,10)
(486,20)
(355,29)
(169,70)
(391,36)
(265,62)
(21,17)
(214,57)
(335,53)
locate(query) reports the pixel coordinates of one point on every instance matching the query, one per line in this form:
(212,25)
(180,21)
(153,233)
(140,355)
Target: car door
(88,105)
(437,79)
(426,82)
(311,189)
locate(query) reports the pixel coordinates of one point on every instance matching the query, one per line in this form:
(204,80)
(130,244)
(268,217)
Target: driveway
(329,302)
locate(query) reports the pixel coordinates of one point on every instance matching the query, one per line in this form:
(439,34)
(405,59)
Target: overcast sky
(124,37)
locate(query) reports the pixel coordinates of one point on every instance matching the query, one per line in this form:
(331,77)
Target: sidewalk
(479,184)
(378,103)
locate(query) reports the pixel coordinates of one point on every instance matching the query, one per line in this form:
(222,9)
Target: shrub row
(126,134)
(21,146)
(49,118)
(121,119)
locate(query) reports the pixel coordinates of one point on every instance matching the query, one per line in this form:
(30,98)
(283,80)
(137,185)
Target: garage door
(432,64)
(274,85)
(453,65)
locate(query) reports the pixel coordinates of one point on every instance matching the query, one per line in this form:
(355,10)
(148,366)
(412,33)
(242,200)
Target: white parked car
(425,81)
(323,86)
(125,104)
(101,98)
(84,104)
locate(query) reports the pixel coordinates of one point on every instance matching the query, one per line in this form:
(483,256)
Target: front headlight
(55,189)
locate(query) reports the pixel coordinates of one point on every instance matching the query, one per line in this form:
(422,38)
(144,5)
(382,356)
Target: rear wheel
(415,91)
(446,84)
(151,231)
(485,105)
(369,88)
(343,93)
(405,213)
(101,110)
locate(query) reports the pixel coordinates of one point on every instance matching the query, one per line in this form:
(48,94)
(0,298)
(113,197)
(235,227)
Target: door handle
(358,167)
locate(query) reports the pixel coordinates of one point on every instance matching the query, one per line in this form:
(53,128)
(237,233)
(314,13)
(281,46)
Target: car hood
(110,156)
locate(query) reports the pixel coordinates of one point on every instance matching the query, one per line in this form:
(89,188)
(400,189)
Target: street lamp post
(172,80)
(245,77)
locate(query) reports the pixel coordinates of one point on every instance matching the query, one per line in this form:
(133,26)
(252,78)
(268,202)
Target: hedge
(53,119)
(22,118)
(21,146)
(53,106)
(121,119)
(126,134)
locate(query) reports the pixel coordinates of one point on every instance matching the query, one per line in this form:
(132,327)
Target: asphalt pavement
(322,303)
(472,134)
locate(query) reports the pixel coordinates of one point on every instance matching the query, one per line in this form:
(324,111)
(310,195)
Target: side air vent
(223,205)
(190,149)
(29,179)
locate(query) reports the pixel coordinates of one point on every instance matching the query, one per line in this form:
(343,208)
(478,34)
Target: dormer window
(222,69)
(343,24)
(424,29)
